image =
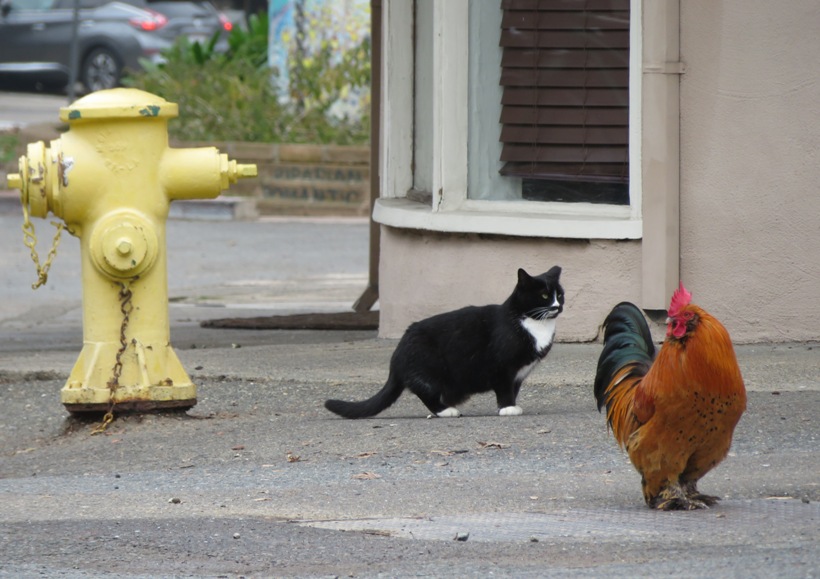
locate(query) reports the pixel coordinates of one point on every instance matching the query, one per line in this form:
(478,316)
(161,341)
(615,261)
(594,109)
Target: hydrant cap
(118,103)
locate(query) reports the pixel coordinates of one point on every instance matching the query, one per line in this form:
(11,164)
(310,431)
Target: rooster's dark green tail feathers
(627,341)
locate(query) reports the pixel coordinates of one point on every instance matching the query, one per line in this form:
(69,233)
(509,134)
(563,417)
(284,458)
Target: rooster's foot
(691,491)
(708,500)
(678,504)
(675,497)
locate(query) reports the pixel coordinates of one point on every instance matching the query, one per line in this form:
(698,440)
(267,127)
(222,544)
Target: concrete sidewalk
(259,480)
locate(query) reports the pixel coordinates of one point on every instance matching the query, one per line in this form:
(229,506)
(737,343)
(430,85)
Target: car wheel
(101,70)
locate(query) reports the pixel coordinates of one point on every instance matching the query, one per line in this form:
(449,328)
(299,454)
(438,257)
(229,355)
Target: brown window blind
(565,78)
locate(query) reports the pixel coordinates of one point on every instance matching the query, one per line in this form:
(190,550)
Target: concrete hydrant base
(133,406)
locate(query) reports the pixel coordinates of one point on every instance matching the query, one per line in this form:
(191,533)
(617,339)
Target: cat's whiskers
(543,313)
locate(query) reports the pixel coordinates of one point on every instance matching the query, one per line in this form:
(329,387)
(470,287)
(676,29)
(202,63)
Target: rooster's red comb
(680,298)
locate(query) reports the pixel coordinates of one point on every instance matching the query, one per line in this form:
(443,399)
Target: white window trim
(451,210)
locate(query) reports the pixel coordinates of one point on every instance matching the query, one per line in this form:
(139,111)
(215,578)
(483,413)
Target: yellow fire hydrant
(111,179)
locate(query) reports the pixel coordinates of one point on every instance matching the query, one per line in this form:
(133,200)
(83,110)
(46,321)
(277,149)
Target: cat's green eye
(546,296)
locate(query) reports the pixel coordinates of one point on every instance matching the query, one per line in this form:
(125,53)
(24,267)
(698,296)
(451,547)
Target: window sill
(480,217)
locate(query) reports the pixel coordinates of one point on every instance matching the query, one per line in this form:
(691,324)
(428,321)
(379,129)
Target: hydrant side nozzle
(14,181)
(190,173)
(199,173)
(33,179)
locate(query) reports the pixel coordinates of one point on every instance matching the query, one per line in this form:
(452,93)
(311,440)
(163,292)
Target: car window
(39,5)
(69,4)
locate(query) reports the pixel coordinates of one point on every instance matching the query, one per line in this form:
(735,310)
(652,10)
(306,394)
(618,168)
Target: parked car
(35,37)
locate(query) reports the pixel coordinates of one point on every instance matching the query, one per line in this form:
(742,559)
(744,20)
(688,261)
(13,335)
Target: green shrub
(9,143)
(232,96)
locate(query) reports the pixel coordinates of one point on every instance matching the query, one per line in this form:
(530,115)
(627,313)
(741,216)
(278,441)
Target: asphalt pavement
(259,480)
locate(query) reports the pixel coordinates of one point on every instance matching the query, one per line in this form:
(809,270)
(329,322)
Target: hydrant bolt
(124,246)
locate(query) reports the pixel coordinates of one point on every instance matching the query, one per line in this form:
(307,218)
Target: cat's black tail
(370,407)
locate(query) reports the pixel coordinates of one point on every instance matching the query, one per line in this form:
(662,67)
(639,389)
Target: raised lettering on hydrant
(111,179)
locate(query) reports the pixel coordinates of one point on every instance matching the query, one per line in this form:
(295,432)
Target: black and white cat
(449,357)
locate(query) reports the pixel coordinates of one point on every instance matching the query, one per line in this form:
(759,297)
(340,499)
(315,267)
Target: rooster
(674,414)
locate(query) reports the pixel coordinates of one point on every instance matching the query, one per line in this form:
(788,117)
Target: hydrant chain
(30,241)
(126,307)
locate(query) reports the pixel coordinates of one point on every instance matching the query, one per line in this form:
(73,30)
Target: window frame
(450,209)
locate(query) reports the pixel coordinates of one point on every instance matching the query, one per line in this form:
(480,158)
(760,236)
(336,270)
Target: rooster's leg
(702,461)
(690,488)
(653,452)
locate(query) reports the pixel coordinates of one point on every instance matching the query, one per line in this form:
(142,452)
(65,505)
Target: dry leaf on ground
(492,444)
(367,476)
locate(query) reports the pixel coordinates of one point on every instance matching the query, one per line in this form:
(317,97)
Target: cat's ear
(523,277)
(554,272)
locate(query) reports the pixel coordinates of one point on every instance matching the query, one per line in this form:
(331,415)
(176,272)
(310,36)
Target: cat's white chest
(542,331)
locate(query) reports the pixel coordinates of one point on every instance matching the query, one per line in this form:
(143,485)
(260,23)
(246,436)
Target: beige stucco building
(724,171)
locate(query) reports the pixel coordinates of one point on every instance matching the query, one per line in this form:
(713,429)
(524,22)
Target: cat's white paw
(510,411)
(451,412)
